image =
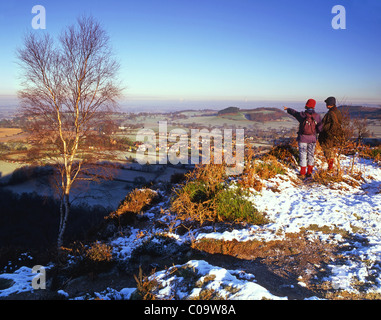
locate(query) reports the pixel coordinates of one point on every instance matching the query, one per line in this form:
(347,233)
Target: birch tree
(69,88)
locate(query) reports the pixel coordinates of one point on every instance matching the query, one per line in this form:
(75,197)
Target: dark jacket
(331,129)
(301,116)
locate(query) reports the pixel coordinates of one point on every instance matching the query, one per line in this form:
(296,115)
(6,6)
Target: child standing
(309,126)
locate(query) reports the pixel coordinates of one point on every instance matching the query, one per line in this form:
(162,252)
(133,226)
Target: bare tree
(70,87)
(361,125)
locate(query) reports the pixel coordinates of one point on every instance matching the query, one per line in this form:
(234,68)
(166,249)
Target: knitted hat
(311,103)
(330,101)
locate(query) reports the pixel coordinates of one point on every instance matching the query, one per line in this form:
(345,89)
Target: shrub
(204,197)
(213,175)
(199,192)
(89,259)
(286,153)
(99,252)
(269,167)
(257,170)
(192,201)
(373,153)
(231,205)
(134,202)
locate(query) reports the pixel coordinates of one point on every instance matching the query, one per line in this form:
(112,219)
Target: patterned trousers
(306,154)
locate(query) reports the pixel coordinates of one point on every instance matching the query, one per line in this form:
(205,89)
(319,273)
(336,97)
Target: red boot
(330,164)
(302,171)
(309,171)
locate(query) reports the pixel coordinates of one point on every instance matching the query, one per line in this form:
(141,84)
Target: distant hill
(259,114)
(229,110)
(265,114)
(362,112)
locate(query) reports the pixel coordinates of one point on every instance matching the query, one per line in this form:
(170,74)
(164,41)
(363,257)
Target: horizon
(10,104)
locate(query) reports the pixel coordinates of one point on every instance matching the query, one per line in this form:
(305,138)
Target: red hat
(311,103)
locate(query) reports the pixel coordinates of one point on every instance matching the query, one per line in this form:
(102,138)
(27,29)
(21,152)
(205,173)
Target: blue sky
(221,50)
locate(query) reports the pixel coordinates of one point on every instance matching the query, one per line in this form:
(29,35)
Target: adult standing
(331,131)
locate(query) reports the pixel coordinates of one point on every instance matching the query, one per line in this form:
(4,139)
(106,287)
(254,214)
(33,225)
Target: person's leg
(310,158)
(303,157)
(329,155)
(330,164)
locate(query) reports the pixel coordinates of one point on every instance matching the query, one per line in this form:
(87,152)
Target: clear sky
(216,50)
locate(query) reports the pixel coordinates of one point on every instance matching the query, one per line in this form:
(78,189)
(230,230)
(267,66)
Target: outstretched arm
(292,112)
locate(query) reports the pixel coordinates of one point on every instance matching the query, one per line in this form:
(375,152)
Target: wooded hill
(265,114)
(362,112)
(259,114)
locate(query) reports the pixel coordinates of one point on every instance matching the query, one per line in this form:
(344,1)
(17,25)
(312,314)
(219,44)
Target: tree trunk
(64,210)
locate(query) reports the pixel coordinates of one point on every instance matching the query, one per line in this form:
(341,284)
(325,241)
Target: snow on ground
(21,280)
(299,206)
(355,209)
(290,207)
(226,283)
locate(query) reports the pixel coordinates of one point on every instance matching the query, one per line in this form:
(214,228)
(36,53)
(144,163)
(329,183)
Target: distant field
(12,134)
(6,132)
(210,119)
(374,128)
(6,168)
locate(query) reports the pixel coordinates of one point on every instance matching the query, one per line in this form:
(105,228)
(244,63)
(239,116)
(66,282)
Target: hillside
(229,110)
(263,114)
(320,239)
(362,112)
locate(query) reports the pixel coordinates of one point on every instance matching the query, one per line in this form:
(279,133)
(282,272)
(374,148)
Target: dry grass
(294,255)
(256,170)
(286,153)
(195,198)
(90,259)
(327,291)
(211,174)
(99,252)
(269,167)
(145,286)
(294,243)
(250,179)
(6,133)
(297,257)
(348,295)
(328,178)
(371,153)
(134,202)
